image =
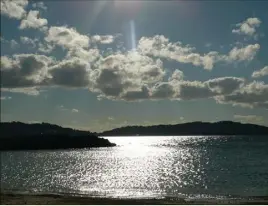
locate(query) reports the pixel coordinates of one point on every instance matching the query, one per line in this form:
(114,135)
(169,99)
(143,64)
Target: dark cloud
(24,70)
(70,73)
(225,85)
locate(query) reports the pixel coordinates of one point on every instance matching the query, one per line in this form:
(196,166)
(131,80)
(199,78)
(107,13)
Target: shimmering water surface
(145,167)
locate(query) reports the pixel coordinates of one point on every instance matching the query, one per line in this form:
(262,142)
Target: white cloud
(33,20)
(14,44)
(14,9)
(89,55)
(245,53)
(103,39)
(45,47)
(247,27)
(160,46)
(31,91)
(28,41)
(75,110)
(67,38)
(34,122)
(249,119)
(6,63)
(225,85)
(208,45)
(261,73)
(2,39)
(39,5)
(64,109)
(176,75)
(61,108)
(5,98)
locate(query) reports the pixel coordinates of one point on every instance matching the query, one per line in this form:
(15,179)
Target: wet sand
(75,200)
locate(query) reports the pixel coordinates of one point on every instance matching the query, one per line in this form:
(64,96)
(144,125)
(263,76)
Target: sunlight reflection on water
(136,167)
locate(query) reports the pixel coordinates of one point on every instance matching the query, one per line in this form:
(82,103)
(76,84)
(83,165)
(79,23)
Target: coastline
(41,199)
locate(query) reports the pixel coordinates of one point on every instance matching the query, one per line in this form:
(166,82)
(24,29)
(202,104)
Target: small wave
(190,198)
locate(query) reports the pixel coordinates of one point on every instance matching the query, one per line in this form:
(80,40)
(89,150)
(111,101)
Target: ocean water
(145,167)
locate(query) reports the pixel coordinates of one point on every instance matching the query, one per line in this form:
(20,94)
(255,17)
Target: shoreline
(37,199)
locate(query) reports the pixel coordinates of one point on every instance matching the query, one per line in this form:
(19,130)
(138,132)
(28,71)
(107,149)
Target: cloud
(163,90)
(89,55)
(245,53)
(34,122)
(45,47)
(39,5)
(176,75)
(125,74)
(71,73)
(75,110)
(249,118)
(5,98)
(67,38)
(14,44)
(24,70)
(6,63)
(212,88)
(261,73)
(194,90)
(136,95)
(31,91)
(254,94)
(64,109)
(3,40)
(208,45)
(128,76)
(247,27)
(103,39)
(61,108)
(30,42)
(14,9)
(34,21)
(225,85)
(111,83)
(160,46)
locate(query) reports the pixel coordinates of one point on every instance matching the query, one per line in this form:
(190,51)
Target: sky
(98,65)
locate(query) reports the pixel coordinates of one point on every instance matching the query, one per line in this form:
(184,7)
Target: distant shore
(30,199)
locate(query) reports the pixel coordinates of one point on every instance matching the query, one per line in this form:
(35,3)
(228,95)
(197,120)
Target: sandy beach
(13,199)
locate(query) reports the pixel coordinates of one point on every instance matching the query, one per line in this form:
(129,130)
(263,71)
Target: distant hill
(11,129)
(22,136)
(193,128)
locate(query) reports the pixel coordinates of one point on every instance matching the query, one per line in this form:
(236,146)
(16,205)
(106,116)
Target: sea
(145,167)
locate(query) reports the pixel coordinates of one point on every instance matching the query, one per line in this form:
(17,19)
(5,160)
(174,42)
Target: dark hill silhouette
(22,136)
(193,128)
